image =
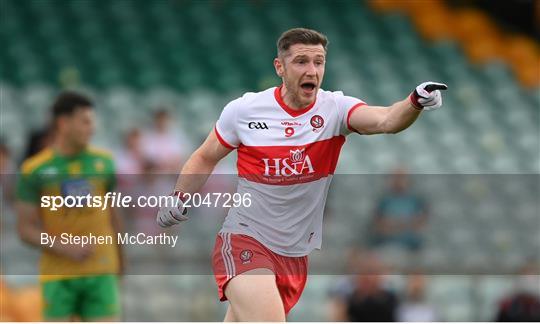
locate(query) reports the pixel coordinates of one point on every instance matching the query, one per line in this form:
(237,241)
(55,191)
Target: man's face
(79,127)
(302,70)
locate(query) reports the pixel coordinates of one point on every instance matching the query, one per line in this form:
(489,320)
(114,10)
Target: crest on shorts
(246,256)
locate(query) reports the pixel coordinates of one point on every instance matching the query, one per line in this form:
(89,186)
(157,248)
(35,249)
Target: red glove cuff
(180,194)
(414,101)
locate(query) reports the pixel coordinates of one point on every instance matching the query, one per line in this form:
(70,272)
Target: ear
(278,66)
(61,122)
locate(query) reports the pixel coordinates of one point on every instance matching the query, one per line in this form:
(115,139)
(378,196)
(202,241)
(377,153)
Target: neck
(290,100)
(63,147)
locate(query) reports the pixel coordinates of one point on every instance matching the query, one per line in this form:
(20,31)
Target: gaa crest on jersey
(246,256)
(317,122)
(257,125)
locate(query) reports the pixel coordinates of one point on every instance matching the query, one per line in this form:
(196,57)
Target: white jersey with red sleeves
(286,159)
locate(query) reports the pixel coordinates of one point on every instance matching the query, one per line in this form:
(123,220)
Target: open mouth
(308,86)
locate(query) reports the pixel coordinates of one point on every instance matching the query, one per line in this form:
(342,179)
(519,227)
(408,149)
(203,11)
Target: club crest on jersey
(317,122)
(297,163)
(246,256)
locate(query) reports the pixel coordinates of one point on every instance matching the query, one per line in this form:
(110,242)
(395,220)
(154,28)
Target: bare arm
(387,120)
(193,176)
(29,225)
(201,164)
(400,115)
(30,228)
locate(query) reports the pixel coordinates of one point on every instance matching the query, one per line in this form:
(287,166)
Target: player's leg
(101,301)
(229,316)
(59,300)
(254,296)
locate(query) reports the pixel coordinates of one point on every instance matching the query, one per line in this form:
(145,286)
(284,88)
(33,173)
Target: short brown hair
(67,102)
(300,36)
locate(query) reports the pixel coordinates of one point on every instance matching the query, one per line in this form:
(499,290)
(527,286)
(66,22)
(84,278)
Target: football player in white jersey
(288,140)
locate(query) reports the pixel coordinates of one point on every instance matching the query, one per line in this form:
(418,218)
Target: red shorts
(235,254)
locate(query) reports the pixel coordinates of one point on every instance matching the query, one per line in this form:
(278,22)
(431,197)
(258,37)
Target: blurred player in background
(288,140)
(77,281)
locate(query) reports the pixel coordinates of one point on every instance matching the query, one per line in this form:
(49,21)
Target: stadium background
(195,56)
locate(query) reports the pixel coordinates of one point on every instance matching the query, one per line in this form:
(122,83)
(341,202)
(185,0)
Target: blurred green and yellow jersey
(89,172)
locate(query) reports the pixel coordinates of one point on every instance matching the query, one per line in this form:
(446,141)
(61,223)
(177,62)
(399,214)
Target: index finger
(436,86)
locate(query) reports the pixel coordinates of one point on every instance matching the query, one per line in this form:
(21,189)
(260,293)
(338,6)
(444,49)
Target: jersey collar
(289,110)
(69,157)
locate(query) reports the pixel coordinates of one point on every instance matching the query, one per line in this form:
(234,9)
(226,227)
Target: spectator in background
(130,163)
(523,305)
(364,297)
(7,170)
(400,215)
(6,165)
(130,159)
(164,146)
(148,183)
(414,307)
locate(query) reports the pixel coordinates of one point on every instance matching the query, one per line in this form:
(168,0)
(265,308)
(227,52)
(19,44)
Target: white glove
(427,96)
(174,214)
